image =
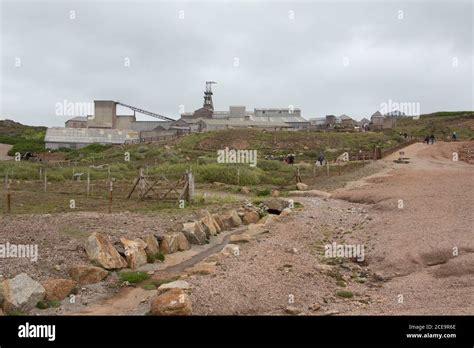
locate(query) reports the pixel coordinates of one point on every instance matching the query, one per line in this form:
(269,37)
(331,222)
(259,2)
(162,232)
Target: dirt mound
(456,267)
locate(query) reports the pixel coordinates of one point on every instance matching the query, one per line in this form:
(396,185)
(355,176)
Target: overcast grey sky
(323,57)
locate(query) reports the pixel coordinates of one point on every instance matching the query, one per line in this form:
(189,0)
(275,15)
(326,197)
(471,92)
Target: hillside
(23,138)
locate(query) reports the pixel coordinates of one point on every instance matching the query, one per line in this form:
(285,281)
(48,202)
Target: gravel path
(409,251)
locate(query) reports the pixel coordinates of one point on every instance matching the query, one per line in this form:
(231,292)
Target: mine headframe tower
(208,96)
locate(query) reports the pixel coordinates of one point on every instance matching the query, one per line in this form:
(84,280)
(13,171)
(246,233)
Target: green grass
(43,304)
(23,138)
(149,286)
(133,277)
(15,312)
(154,257)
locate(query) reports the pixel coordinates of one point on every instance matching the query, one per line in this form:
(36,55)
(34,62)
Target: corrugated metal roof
(89,135)
(242,123)
(148,125)
(277,119)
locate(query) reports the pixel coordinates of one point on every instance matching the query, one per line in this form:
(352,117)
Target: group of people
(430,139)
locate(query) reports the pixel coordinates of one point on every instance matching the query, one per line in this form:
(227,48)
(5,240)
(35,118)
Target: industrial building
(206,118)
(379,121)
(76,138)
(106,127)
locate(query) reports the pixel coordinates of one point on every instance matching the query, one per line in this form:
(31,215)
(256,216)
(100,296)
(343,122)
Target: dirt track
(4,148)
(411,251)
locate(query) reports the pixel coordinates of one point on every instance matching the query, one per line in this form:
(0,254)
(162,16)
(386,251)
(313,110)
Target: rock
(22,293)
(250,217)
(194,232)
(183,243)
(255,229)
(275,193)
(172,302)
(292,310)
(301,186)
(240,238)
(202,268)
(245,190)
(102,252)
(310,193)
(224,222)
(135,252)
(276,204)
(271,219)
(57,289)
(219,222)
(230,250)
(234,218)
(216,258)
(87,274)
(178,284)
(152,245)
(169,245)
(210,226)
(286,211)
(315,307)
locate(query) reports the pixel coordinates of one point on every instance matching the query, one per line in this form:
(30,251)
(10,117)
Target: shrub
(133,277)
(156,256)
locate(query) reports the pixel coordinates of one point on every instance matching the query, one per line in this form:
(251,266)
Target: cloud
(325,58)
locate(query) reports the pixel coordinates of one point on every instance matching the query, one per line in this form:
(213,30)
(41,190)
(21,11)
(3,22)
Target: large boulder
(135,252)
(84,275)
(57,289)
(240,238)
(256,229)
(22,293)
(152,245)
(172,302)
(301,186)
(101,251)
(232,219)
(250,217)
(209,225)
(183,243)
(194,232)
(276,205)
(218,221)
(177,284)
(169,244)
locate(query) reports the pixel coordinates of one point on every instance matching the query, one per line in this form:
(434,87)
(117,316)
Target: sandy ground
(4,148)
(420,257)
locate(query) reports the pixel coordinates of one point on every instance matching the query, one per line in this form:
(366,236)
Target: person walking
(321,158)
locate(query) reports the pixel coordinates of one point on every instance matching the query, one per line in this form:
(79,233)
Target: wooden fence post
(110,195)
(88,182)
(45,180)
(8,202)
